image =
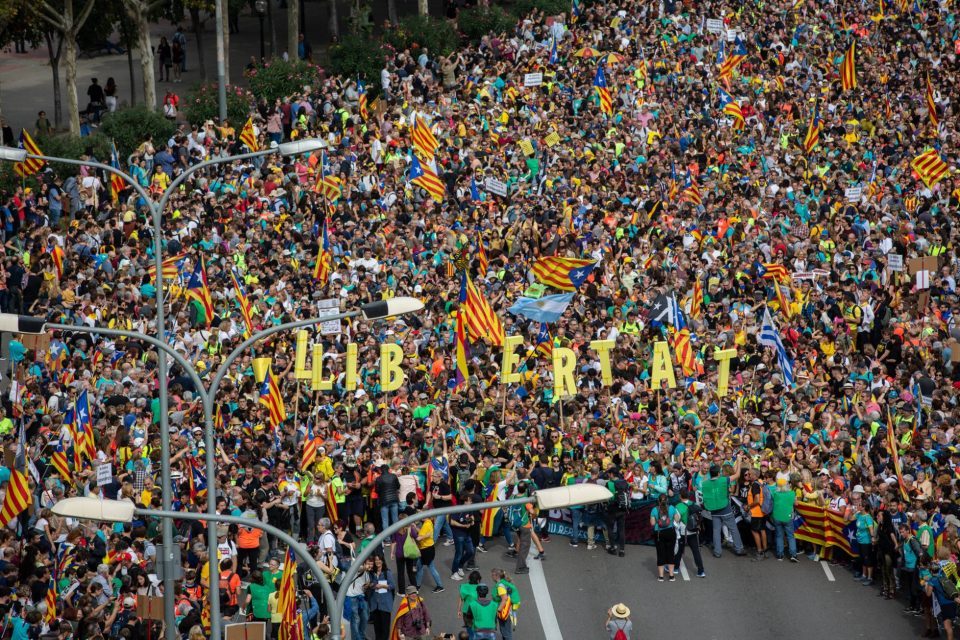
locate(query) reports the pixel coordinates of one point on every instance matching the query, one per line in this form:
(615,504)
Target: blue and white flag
(546,309)
(770,337)
(554,58)
(666,310)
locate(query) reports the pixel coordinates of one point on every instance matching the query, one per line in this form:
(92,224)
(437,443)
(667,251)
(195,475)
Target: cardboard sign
(246,631)
(532,79)
(853,194)
(496,187)
(552,139)
(954,350)
(527,147)
(926,263)
(36,342)
(150,607)
(895,262)
(105,475)
(714,25)
(329,307)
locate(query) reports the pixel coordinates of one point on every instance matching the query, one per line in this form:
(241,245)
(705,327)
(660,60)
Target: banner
(639,530)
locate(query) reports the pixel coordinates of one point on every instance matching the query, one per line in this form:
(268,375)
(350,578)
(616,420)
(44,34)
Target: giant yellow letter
(564,362)
(510,360)
(723,374)
(351,367)
(391,375)
(662,367)
(603,349)
(300,364)
(318,382)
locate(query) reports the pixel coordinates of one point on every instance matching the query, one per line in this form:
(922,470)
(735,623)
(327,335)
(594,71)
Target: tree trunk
(70,76)
(145,47)
(273,31)
(198,34)
(334,21)
(54,56)
(392,12)
(225,26)
(133,80)
(293,29)
(424,7)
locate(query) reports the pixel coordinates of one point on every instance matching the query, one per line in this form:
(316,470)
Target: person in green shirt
(784,499)
(257,595)
(716,500)
(468,594)
(504,588)
(483,612)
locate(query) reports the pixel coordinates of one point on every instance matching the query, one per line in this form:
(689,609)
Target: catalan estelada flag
(245,309)
(270,398)
(362,100)
(117,183)
(248,136)
(461,373)
(774,271)
(482,322)
(544,344)
(84,425)
(931,105)
(930,167)
(309,449)
(31,165)
(321,271)
(730,107)
(17,498)
(51,601)
(813,131)
(60,463)
(170,268)
(731,62)
(427,179)
(56,254)
(848,68)
(424,142)
(329,185)
(291,625)
(691,191)
(565,274)
(603,91)
(198,290)
(489,516)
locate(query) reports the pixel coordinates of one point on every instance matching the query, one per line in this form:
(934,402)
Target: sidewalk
(26,85)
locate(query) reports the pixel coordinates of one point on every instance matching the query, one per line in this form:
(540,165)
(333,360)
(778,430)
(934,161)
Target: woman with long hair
(380,594)
(887,554)
(663,520)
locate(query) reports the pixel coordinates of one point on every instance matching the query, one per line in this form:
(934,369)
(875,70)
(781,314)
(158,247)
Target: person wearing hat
(618,624)
(412,620)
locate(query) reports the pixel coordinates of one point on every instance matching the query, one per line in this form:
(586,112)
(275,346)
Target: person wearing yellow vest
(507,597)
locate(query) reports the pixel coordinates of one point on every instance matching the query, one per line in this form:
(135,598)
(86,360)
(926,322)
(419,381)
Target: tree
(195,7)
(293,29)
(62,18)
(19,24)
(141,12)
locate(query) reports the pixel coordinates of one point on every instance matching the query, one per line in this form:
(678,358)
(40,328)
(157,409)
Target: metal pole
(263,54)
(336,612)
(221,69)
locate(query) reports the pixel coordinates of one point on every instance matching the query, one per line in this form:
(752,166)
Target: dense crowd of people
(795,213)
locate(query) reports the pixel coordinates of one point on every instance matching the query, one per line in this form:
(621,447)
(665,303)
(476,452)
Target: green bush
(279,78)
(202,104)
(9,181)
(358,57)
(477,22)
(521,8)
(415,32)
(70,146)
(128,128)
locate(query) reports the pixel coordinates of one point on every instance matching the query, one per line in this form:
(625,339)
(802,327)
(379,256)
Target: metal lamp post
(157,207)
(372,311)
(260,7)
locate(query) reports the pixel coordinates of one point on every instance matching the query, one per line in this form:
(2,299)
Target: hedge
(129,127)
(477,22)
(202,104)
(415,32)
(279,78)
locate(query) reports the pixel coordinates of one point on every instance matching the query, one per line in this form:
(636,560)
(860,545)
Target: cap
(129,603)
(411,590)
(858,489)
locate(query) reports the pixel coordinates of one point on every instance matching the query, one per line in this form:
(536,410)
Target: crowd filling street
(767,189)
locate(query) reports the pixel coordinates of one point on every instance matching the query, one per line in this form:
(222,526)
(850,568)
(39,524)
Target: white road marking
(683,572)
(548,617)
(826,570)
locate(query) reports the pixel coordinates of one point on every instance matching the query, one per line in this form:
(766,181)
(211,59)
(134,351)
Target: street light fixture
(260,7)
(297,147)
(13,154)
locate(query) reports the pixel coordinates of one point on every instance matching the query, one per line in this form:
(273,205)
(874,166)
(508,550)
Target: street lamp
(260,6)
(372,311)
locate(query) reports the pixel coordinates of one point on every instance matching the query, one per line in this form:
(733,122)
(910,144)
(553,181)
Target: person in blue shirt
(663,520)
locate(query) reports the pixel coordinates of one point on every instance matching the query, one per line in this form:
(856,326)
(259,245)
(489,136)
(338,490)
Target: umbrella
(613,57)
(587,52)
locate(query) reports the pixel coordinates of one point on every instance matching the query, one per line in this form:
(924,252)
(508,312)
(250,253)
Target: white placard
(895,262)
(329,307)
(853,194)
(714,25)
(923,280)
(803,275)
(104,474)
(496,187)
(732,35)
(532,79)
(821,272)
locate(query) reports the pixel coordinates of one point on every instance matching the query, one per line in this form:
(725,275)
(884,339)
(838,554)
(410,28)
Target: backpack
(228,588)
(620,634)
(767,505)
(621,495)
(516,516)
(694,518)
(944,590)
(663,519)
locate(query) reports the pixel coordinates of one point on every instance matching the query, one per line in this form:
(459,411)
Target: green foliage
(201,104)
(279,78)
(9,181)
(358,57)
(129,127)
(477,22)
(417,31)
(70,146)
(521,8)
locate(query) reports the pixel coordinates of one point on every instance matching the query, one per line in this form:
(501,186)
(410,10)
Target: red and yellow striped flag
(482,257)
(270,398)
(248,136)
(684,352)
(424,176)
(291,625)
(309,450)
(424,141)
(17,498)
(696,304)
(931,105)
(330,500)
(51,601)
(489,516)
(407,604)
(848,68)
(930,167)
(482,322)
(31,165)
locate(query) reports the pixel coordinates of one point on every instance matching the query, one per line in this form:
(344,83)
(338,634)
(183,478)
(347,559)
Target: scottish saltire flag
(546,309)
(770,337)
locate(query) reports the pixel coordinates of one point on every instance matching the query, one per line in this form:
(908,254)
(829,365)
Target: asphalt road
(738,599)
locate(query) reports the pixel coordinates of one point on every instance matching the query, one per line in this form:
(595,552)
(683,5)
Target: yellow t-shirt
(425,537)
